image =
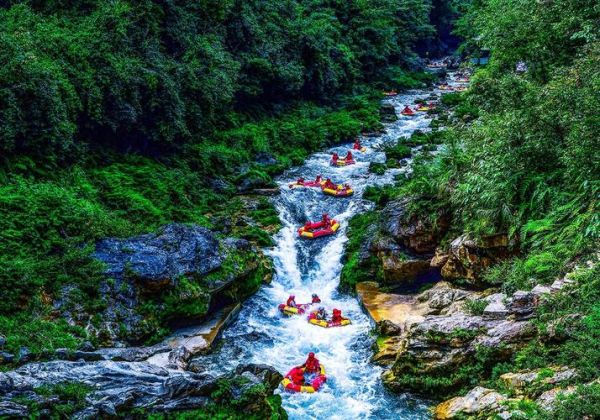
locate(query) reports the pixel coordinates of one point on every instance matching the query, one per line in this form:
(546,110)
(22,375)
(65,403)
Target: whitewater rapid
(302,267)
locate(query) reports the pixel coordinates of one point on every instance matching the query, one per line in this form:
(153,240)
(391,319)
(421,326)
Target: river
(302,267)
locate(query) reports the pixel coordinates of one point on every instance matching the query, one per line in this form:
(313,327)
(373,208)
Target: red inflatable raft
(312,230)
(311,387)
(307,184)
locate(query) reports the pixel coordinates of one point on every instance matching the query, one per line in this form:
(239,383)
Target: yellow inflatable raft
(340,191)
(329,324)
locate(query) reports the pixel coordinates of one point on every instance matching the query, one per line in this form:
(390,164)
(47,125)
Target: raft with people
(296,381)
(408,112)
(422,107)
(301,183)
(338,190)
(320,318)
(338,161)
(290,307)
(324,227)
(358,147)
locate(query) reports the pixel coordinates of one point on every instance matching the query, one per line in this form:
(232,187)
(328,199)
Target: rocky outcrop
(447,338)
(417,234)
(156,260)
(182,271)
(388,113)
(541,386)
(468,258)
(479,401)
(524,382)
(117,388)
(397,270)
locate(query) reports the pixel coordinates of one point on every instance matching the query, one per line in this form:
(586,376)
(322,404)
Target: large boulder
(478,402)
(400,271)
(388,113)
(469,258)
(157,259)
(529,381)
(418,234)
(181,272)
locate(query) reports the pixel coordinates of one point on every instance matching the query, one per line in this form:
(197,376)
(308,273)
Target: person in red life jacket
(407,110)
(300,181)
(315,298)
(349,156)
(325,219)
(318,179)
(337,316)
(312,365)
(291,302)
(296,375)
(357,145)
(334,158)
(329,184)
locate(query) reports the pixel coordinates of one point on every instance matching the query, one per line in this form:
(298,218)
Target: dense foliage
(117,117)
(527,164)
(150,75)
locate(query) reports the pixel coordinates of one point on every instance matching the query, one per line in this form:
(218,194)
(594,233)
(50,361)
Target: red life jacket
(297,376)
(312,365)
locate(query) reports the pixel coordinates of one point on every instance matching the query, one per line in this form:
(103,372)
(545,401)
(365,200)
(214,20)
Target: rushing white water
(262,335)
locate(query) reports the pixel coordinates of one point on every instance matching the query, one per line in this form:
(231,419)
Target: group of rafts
(310,376)
(327,226)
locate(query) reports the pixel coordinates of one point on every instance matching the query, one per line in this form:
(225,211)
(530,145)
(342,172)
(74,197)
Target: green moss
(39,335)
(475,306)
(356,270)
(71,398)
(377,168)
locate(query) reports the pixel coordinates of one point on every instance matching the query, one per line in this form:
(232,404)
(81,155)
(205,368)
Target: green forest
(118,117)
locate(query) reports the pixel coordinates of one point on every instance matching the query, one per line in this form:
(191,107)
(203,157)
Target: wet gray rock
(265,159)
(416,234)
(24,354)
(123,385)
(265,373)
(469,258)
(2,341)
(156,259)
(11,409)
(496,309)
(220,185)
(179,358)
(522,304)
(6,357)
(388,328)
(66,354)
(132,354)
(6,383)
(388,113)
